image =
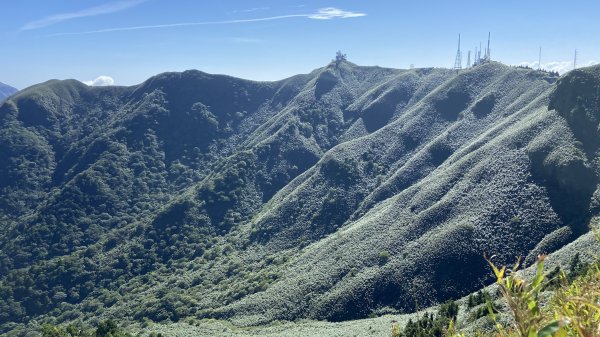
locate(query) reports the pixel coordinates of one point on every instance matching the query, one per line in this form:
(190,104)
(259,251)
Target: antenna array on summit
(477,59)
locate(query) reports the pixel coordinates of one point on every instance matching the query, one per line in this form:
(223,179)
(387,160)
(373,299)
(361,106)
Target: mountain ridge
(6,90)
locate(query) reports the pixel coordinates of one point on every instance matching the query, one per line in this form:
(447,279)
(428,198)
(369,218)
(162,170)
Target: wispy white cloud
(100,81)
(328,13)
(181,24)
(334,13)
(559,66)
(93,11)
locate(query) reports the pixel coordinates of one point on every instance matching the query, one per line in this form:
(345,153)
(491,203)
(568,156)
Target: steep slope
(333,195)
(499,183)
(6,90)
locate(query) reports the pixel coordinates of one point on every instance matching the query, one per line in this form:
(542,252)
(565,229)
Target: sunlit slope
(478,165)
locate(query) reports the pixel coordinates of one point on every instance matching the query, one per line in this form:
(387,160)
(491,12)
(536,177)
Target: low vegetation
(429,324)
(107,328)
(555,304)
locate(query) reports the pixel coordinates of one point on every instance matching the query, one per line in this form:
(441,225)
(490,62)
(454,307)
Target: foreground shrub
(573,310)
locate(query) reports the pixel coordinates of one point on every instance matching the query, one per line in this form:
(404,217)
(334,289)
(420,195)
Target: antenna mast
(487,51)
(469,59)
(540,60)
(458,60)
(575,60)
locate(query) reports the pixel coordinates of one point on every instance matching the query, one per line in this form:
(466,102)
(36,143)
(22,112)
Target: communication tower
(458,60)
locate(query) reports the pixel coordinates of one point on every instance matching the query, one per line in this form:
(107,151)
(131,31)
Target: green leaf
(550,329)
(498,272)
(562,332)
(533,307)
(490,308)
(539,274)
(532,333)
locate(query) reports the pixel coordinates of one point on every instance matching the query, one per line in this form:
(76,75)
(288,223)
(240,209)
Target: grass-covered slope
(339,194)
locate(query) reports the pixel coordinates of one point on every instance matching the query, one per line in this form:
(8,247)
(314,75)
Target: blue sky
(127,41)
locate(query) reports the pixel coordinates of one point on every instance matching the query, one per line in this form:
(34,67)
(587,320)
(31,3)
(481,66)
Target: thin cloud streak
(94,11)
(322,14)
(250,10)
(181,24)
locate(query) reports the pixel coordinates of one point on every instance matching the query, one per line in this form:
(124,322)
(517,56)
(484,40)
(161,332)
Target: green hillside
(347,193)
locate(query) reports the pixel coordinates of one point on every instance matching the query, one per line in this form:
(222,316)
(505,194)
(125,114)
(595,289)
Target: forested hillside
(341,194)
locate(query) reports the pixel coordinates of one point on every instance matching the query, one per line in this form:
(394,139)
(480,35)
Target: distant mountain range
(6,90)
(341,194)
